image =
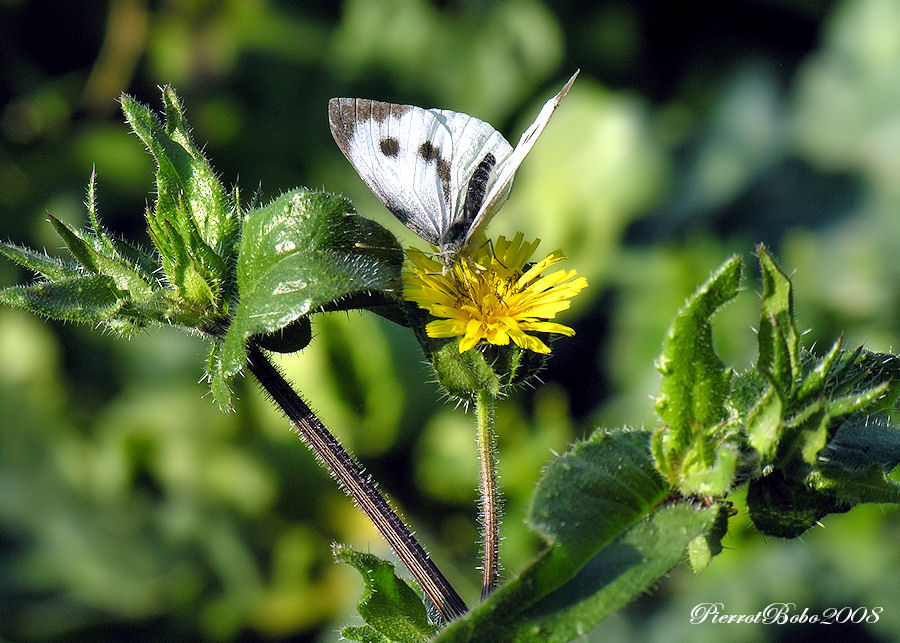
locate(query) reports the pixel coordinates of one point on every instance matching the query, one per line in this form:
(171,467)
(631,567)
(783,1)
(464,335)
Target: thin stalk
(490,495)
(357,484)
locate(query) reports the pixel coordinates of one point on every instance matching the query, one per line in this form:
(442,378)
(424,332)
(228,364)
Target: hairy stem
(490,495)
(356,483)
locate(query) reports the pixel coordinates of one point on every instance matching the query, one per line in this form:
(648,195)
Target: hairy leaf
(778,338)
(186,184)
(634,561)
(591,505)
(693,450)
(98,257)
(785,508)
(389,606)
(39,262)
(303,252)
(92,299)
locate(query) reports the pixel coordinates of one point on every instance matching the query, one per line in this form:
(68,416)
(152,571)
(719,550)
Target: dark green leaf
(49,267)
(786,507)
(621,570)
(870,485)
(78,247)
(624,569)
(363,634)
(586,499)
(587,495)
(388,605)
(304,251)
(861,444)
(857,463)
(777,336)
(92,299)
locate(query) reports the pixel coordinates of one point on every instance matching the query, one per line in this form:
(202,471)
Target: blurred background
(130,507)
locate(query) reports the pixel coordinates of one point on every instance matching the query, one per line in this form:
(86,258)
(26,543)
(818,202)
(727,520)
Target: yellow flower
(490,294)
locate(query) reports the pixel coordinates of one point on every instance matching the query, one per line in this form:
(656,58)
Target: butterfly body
(443,174)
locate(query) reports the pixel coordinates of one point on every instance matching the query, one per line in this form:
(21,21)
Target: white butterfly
(443,174)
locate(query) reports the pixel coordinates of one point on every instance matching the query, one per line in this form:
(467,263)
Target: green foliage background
(129,505)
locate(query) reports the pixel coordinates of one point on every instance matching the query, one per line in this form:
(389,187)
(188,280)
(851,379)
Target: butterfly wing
(498,189)
(419,162)
(477,154)
(376,139)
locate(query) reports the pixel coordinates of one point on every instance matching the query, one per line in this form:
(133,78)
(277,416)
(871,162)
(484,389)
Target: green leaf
(186,184)
(857,463)
(91,299)
(41,263)
(707,545)
(589,506)
(764,424)
(78,247)
(363,634)
(804,436)
(99,231)
(389,606)
(709,467)
(786,508)
(777,336)
(860,444)
(854,467)
(694,380)
(619,572)
(96,257)
(304,251)
(694,450)
(857,401)
(861,374)
(605,482)
(815,381)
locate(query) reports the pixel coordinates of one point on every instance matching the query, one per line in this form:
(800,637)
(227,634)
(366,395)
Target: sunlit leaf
(591,505)
(389,605)
(303,252)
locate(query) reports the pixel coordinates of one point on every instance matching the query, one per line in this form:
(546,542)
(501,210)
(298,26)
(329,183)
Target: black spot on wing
(428,151)
(390,146)
(443,170)
(429,154)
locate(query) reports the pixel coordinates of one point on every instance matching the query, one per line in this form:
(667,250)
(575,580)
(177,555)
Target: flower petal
(485,295)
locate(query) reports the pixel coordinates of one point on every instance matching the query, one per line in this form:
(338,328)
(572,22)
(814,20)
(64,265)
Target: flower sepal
(489,312)
(495,369)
